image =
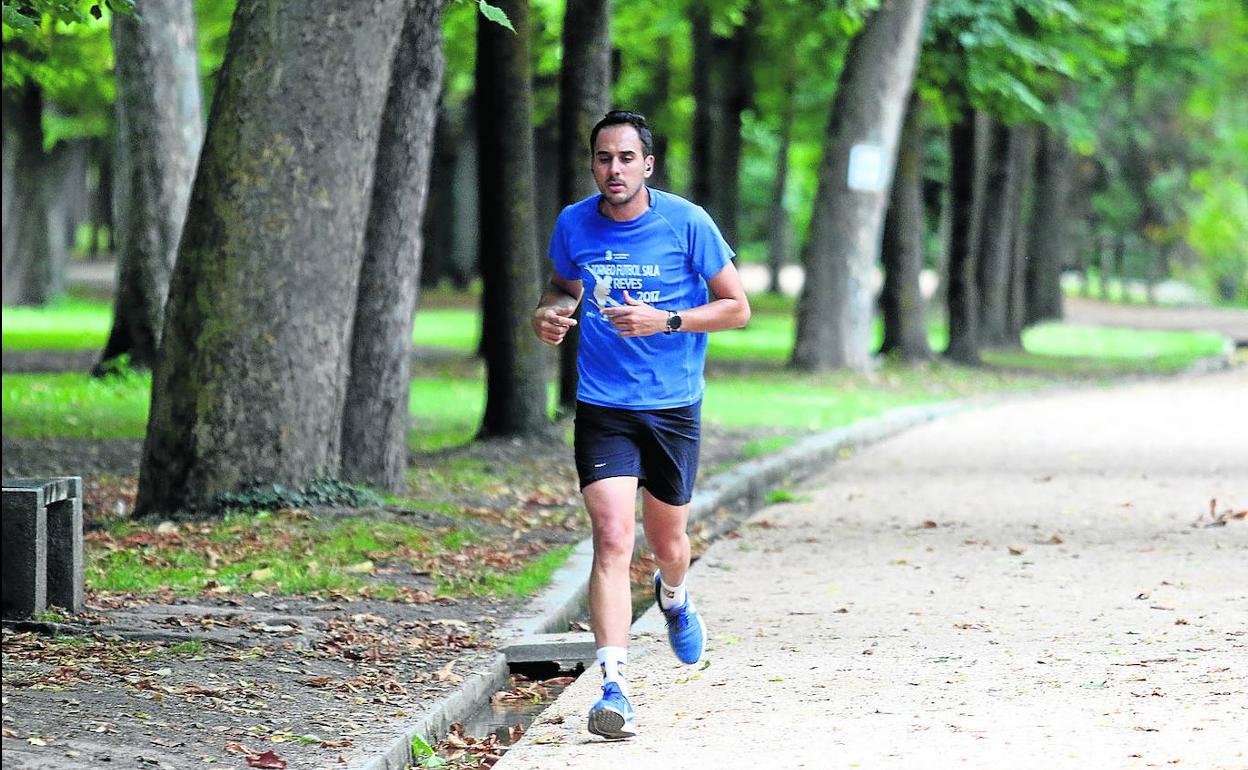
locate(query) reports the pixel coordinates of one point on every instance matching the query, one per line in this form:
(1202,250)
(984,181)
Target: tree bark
(780,225)
(584,97)
(705,109)
(159,133)
(33,267)
(905,319)
(1049,243)
(515,384)
(375,412)
(834,314)
(960,292)
(1023,169)
(997,234)
(252,371)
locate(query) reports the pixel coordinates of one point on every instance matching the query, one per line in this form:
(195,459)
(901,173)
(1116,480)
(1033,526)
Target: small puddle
(534,686)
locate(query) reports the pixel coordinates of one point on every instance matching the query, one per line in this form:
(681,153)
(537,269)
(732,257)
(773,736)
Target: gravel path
(1027,586)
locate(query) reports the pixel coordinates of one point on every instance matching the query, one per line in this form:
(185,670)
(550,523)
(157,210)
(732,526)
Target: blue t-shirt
(662,258)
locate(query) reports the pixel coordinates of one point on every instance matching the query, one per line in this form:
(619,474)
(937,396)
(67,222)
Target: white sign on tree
(866,168)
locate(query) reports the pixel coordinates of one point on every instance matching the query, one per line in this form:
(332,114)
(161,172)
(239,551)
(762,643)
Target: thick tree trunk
(835,311)
(1049,243)
(960,292)
(905,319)
(252,371)
(33,269)
(375,411)
(996,242)
(1023,169)
(584,97)
(515,386)
(159,133)
(780,225)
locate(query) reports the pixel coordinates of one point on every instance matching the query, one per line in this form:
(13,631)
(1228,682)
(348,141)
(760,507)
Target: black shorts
(657,446)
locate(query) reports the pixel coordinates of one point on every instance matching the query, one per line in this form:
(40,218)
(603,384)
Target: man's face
(619,164)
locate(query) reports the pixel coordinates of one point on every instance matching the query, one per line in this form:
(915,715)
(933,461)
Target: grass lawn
(447,405)
(293,552)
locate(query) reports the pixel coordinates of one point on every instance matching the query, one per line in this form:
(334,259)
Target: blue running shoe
(612,716)
(685,630)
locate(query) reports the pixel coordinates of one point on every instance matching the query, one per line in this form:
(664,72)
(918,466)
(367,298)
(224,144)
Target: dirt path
(1228,321)
(1033,585)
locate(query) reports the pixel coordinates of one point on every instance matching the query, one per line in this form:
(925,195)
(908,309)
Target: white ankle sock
(671,596)
(611,662)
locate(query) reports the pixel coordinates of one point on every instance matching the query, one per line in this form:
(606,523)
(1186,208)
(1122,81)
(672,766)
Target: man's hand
(636,319)
(551,322)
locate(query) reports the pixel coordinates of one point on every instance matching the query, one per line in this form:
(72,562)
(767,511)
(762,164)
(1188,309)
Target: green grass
(1063,347)
(447,406)
(75,405)
(83,324)
(523,582)
(289,553)
(65,324)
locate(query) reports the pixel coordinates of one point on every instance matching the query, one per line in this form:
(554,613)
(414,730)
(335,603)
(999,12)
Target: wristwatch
(673,322)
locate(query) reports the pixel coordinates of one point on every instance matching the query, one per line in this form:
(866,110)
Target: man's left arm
(730,309)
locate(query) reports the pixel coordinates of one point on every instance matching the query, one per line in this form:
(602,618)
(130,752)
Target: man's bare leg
(665,532)
(611,504)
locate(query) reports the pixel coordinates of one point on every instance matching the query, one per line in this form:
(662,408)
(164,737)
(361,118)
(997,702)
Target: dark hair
(625,118)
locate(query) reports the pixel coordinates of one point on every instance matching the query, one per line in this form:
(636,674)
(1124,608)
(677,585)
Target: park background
(280,258)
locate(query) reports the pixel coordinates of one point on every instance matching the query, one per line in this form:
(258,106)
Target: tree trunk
(705,109)
(375,411)
(252,371)
(655,105)
(1023,169)
(780,225)
(515,386)
(584,97)
(733,65)
(101,211)
(834,314)
(905,319)
(32,270)
(450,227)
(960,292)
(1049,243)
(996,236)
(159,133)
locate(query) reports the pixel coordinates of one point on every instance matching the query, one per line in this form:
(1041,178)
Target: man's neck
(634,208)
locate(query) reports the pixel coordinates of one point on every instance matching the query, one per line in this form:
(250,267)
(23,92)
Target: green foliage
(323,492)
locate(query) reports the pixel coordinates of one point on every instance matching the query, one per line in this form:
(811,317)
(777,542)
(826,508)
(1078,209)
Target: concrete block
(65,558)
(539,648)
(42,547)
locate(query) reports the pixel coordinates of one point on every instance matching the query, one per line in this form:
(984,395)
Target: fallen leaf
(444,674)
(358,569)
(1017,550)
(268,759)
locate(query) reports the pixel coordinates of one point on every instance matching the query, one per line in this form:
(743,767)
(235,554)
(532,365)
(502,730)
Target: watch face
(673,321)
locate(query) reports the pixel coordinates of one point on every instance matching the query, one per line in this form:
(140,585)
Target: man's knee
(613,542)
(669,549)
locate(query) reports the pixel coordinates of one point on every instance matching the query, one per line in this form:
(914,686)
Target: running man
(649,258)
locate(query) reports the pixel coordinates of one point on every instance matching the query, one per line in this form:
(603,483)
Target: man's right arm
(553,316)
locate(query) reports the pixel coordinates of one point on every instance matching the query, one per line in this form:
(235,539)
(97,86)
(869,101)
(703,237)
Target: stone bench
(42,546)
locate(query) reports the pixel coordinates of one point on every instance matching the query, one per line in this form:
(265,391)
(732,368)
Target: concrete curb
(748,483)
